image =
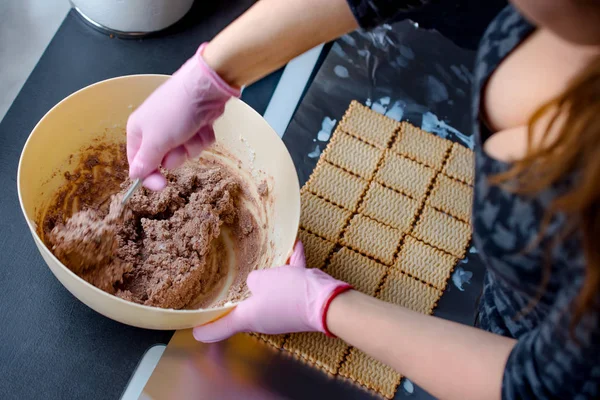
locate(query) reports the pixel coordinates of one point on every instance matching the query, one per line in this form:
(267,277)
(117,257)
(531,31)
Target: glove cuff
(337,291)
(215,78)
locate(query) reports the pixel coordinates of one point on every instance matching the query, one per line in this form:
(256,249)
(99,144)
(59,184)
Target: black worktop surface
(52,345)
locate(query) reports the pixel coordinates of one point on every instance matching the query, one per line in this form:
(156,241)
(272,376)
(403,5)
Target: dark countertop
(52,345)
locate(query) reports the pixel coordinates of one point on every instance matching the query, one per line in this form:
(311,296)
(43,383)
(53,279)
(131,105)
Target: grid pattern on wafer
(274,340)
(452,197)
(425,263)
(390,207)
(442,231)
(351,154)
(363,273)
(421,146)
(314,347)
(460,164)
(372,238)
(405,175)
(368,125)
(336,185)
(316,249)
(370,373)
(385,210)
(322,217)
(402,290)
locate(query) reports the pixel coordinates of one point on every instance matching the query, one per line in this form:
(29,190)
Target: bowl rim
(112,297)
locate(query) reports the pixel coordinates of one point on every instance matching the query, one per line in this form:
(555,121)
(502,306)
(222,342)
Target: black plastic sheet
(406,73)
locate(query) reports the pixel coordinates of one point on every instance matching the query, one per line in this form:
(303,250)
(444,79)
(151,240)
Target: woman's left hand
(285,299)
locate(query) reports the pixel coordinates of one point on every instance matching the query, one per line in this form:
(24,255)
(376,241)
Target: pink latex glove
(175,122)
(285,299)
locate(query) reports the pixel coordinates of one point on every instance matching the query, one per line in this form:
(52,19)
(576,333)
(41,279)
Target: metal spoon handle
(134,186)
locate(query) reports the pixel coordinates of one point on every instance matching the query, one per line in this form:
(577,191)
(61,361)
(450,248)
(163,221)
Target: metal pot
(131,17)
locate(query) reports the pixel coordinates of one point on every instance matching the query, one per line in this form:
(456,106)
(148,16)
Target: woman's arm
(449,360)
(175,122)
(273,32)
(166,133)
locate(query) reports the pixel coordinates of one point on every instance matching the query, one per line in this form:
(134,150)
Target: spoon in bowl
(132,189)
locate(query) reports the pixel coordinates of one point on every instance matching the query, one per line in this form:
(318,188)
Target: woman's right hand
(175,122)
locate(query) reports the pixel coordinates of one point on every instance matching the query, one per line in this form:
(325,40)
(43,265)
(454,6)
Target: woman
(536,212)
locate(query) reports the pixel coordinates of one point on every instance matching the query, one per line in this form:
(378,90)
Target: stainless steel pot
(131,17)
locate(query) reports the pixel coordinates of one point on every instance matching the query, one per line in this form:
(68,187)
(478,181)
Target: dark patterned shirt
(548,360)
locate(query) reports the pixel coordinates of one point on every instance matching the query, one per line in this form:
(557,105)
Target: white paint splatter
(337,49)
(349,40)
(416,24)
(315,153)
(378,108)
(341,71)
(401,61)
(459,73)
(380,105)
(436,90)
(408,386)
(363,53)
(368,102)
(431,123)
(473,250)
(466,72)
(460,277)
(379,37)
(326,128)
(396,111)
(407,52)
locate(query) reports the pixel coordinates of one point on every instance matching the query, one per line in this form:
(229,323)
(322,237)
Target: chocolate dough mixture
(163,248)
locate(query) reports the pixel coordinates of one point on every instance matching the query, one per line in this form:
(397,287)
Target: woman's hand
(296,299)
(175,122)
(286,299)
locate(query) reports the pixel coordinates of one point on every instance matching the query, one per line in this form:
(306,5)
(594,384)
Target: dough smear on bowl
(163,249)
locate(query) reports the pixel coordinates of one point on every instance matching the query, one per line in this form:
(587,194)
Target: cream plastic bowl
(103,109)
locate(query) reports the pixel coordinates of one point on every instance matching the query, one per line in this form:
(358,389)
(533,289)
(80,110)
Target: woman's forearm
(449,360)
(271,33)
